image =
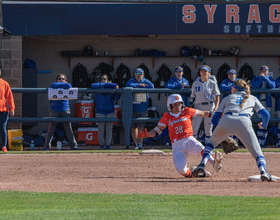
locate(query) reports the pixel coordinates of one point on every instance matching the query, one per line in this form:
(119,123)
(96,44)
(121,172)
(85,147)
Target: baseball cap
(231,71)
(178,69)
(264,68)
(139,71)
(205,68)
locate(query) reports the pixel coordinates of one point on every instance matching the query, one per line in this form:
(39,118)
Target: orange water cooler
(87,135)
(85,109)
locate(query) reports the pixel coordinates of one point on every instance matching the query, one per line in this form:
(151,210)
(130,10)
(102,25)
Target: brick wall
(11,63)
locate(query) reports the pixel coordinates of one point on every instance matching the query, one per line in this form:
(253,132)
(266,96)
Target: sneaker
(4,149)
(108,147)
(265,176)
(217,161)
(74,148)
(200,171)
(46,148)
(101,147)
(138,148)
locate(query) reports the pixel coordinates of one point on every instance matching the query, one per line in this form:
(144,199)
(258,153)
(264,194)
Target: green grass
(31,205)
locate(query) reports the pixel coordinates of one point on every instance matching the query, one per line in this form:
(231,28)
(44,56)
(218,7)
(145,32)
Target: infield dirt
(132,173)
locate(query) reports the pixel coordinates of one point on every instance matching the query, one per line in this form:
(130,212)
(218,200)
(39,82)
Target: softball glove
(229,145)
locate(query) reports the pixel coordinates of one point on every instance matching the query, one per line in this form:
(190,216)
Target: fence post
(127,113)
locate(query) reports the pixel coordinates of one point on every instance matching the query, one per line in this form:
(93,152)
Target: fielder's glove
(229,145)
(143,134)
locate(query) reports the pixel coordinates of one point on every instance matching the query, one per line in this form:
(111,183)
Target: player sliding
(238,109)
(179,122)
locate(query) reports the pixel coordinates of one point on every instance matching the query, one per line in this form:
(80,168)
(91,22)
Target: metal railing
(127,111)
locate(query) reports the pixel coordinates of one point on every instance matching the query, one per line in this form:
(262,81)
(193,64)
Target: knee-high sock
(208,150)
(211,158)
(262,135)
(261,163)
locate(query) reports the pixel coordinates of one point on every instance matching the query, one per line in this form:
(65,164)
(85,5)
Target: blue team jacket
(60,105)
(277,95)
(143,106)
(226,86)
(104,101)
(174,83)
(257,84)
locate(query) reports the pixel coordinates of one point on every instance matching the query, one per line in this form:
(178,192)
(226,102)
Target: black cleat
(265,176)
(199,171)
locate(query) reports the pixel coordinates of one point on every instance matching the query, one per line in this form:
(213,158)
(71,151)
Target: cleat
(200,171)
(4,149)
(108,147)
(265,176)
(207,173)
(74,148)
(217,161)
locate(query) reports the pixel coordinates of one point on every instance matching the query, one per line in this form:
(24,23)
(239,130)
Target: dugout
(42,30)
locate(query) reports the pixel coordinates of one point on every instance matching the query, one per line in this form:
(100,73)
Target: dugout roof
(141,17)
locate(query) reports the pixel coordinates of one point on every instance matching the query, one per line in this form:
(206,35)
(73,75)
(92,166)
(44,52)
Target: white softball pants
(182,149)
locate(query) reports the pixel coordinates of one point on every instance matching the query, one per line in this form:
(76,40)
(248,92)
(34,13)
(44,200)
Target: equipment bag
(80,77)
(246,72)
(102,68)
(187,74)
(146,71)
(122,75)
(222,73)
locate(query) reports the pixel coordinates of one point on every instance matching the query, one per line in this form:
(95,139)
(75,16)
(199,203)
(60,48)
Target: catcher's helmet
(173,99)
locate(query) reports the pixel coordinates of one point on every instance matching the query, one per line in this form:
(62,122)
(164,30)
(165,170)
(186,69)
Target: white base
(258,178)
(152,151)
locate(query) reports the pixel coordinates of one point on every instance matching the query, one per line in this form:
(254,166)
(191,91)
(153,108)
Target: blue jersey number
(197,89)
(239,100)
(209,96)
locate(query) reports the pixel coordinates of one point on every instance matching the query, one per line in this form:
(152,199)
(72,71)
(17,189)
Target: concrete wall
(45,51)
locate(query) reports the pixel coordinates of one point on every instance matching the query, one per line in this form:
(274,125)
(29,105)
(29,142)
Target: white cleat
(217,165)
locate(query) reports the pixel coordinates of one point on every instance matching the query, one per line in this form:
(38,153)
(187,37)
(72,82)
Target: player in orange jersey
(179,123)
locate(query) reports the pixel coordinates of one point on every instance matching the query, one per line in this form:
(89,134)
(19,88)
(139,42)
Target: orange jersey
(179,127)
(6,97)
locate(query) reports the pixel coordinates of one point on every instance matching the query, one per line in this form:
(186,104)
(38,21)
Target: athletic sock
(211,158)
(188,174)
(261,163)
(208,150)
(262,135)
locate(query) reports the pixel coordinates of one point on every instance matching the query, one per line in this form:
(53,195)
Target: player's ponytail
(244,85)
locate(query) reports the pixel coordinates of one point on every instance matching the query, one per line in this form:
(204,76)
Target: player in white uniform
(179,123)
(206,97)
(238,108)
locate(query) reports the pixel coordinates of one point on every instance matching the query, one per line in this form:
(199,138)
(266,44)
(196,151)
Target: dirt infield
(132,173)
